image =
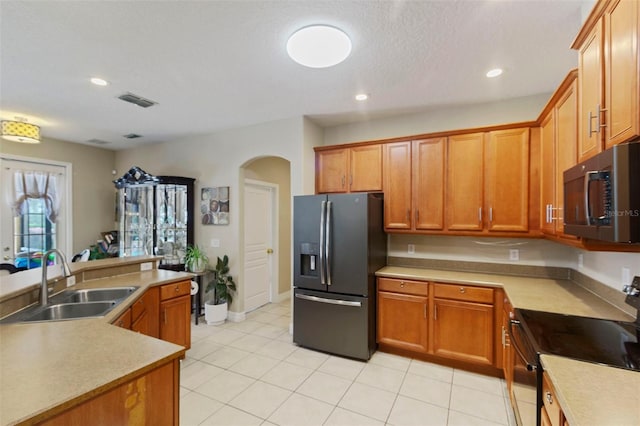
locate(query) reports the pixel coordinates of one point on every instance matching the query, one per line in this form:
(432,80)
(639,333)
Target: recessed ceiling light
(494,72)
(99,81)
(319,46)
(361,97)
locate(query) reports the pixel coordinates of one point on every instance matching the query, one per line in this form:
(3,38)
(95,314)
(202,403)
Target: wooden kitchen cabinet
(151,399)
(124,320)
(507,350)
(354,169)
(465,176)
(175,313)
(551,407)
(414,175)
(609,76)
(507,180)
(397,186)
(144,313)
(463,323)
(559,135)
(402,317)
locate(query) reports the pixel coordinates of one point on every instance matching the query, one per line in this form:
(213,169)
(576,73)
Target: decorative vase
(215,314)
(198,266)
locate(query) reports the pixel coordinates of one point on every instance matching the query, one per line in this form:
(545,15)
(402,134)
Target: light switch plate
(146,266)
(514,254)
(215,242)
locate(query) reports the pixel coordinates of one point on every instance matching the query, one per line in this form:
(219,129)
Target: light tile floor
(250,373)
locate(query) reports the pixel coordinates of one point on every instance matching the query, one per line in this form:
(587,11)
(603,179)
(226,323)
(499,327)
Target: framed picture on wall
(214,205)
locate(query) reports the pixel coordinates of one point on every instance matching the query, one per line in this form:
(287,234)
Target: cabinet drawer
(464,292)
(170,291)
(550,401)
(403,286)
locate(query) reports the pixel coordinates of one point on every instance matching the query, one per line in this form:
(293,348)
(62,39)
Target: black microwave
(602,195)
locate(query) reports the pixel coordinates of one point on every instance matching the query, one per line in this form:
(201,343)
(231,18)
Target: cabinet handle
(164,315)
(435,312)
(463,290)
(343,181)
(591,117)
(350,181)
(177,289)
(546,208)
(408,215)
(425,311)
(503,339)
(490,214)
(599,115)
(479,214)
(549,398)
(417,216)
(401,284)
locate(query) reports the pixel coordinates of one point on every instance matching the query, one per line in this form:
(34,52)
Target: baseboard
(236,316)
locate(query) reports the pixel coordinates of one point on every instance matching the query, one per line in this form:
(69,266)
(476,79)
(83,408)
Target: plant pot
(215,314)
(198,266)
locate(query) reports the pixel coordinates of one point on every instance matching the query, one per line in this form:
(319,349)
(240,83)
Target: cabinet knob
(549,398)
(401,284)
(463,290)
(177,289)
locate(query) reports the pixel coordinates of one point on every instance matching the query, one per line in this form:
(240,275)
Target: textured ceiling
(214,65)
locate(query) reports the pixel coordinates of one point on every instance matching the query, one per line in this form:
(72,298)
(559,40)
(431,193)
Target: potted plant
(215,310)
(195,259)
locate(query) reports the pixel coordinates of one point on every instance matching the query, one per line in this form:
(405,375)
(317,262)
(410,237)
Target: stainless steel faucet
(66,271)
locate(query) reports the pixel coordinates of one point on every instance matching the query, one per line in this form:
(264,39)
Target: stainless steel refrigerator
(339,244)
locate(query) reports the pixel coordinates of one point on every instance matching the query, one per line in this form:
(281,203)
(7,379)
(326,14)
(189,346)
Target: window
(33,215)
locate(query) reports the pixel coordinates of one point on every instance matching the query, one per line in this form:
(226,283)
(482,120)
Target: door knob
(269,251)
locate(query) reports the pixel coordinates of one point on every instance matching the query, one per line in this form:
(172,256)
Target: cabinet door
(465,157)
(622,72)
(566,146)
(175,316)
(507,180)
(402,320)
(590,69)
(331,170)
(397,185)
(365,172)
(124,320)
(463,331)
(547,173)
(428,183)
(145,317)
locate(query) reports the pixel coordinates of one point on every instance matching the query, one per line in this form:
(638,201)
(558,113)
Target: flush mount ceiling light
(319,46)
(494,72)
(361,97)
(99,81)
(20,131)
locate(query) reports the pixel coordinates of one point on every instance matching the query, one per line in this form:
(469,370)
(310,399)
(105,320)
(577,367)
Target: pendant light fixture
(20,131)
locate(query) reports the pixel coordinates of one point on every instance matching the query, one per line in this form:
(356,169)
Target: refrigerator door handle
(328,243)
(329,301)
(323,218)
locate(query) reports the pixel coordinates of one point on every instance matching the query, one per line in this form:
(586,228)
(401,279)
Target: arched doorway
(266,231)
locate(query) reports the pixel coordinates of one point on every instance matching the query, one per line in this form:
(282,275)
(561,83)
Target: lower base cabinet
(447,321)
(151,399)
(463,331)
(175,313)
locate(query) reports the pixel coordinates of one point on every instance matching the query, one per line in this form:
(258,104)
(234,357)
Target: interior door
(257,246)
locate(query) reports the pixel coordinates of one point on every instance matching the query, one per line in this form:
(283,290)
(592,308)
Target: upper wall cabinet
(465,176)
(414,176)
(559,135)
(354,169)
(609,76)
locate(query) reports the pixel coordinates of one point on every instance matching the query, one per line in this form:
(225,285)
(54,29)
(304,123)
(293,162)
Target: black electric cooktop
(613,343)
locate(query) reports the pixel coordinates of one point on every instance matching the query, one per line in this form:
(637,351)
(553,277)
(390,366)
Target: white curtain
(36,184)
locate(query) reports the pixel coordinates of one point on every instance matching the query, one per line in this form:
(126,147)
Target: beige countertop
(593,394)
(590,394)
(59,364)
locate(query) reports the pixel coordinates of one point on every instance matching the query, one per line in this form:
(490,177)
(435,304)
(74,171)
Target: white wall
(440,119)
(216,160)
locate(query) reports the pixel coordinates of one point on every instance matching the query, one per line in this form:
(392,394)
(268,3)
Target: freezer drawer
(338,324)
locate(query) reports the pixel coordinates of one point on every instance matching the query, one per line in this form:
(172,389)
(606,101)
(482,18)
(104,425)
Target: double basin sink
(74,304)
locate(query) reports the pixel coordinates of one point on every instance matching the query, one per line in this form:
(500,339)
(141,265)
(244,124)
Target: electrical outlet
(411,248)
(146,266)
(581,261)
(626,276)
(215,242)
(71,280)
(514,254)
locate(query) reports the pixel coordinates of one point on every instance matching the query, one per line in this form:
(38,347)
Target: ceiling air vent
(132,136)
(138,100)
(97,142)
